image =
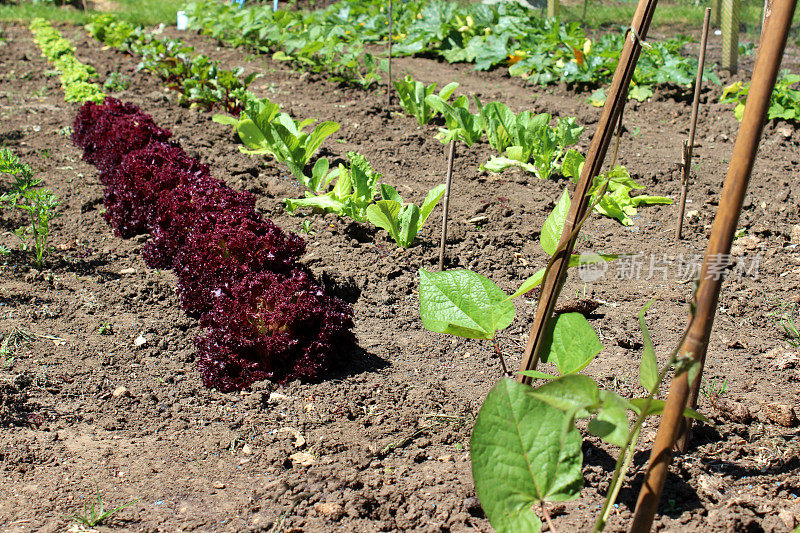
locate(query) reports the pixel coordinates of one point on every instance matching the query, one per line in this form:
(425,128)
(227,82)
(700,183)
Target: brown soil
(388,441)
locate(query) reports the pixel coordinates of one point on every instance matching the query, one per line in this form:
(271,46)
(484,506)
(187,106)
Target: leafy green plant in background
(526,140)
(352,193)
(116,82)
(37,204)
(402,221)
(265,130)
(460,124)
(501,35)
(785,101)
(199,81)
(412,95)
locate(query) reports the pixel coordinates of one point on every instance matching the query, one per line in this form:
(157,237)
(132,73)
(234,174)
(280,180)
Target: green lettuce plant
(610,192)
(526,140)
(402,221)
(352,193)
(263,129)
(460,124)
(413,94)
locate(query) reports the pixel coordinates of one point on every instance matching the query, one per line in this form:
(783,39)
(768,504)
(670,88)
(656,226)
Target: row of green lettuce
(543,51)
(77,79)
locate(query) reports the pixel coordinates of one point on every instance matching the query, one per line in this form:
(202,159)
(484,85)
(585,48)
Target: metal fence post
(715,12)
(552,9)
(730,35)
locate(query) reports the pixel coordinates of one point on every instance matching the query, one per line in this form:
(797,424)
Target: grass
(145,12)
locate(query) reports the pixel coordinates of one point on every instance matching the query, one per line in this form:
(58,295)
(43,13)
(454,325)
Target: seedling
(305,227)
(95,514)
(105,328)
(38,204)
(116,82)
(9,345)
(402,221)
(786,319)
(413,96)
(715,390)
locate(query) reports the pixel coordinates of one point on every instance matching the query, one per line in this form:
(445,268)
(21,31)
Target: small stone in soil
(781,414)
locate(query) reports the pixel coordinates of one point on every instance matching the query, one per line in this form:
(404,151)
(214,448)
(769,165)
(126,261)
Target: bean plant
(525,445)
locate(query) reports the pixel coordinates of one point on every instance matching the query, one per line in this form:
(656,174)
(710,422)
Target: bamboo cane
(773,41)
(687,149)
(451,155)
(389,63)
(615,101)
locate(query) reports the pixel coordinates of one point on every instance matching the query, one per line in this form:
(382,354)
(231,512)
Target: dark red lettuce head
(143,177)
(275,327)
(192,208)
(108,131)
(210,262)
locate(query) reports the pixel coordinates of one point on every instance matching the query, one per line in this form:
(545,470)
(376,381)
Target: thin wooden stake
(451,155)
(687,147)
(389,83)
(615,101)
(773,42)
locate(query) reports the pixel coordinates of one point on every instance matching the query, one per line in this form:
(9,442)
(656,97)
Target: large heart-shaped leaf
(570,343)
(463,303)
(524,452)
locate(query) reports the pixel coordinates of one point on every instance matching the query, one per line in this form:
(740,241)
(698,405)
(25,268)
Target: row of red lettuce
(263,315)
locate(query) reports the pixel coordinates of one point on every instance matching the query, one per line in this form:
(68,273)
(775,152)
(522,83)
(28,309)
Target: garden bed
(103,387)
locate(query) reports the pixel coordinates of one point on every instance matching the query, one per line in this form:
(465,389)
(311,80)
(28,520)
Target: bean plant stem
(547,519)
(500,355)
(451,155)
(629,449)
(688,147)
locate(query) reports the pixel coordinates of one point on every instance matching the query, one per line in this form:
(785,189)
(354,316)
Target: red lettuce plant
(192,208)
(273,327)
(264,317)
(209,263)
(141,178)
(108,131)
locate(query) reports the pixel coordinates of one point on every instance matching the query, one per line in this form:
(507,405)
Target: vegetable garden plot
(376,437)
